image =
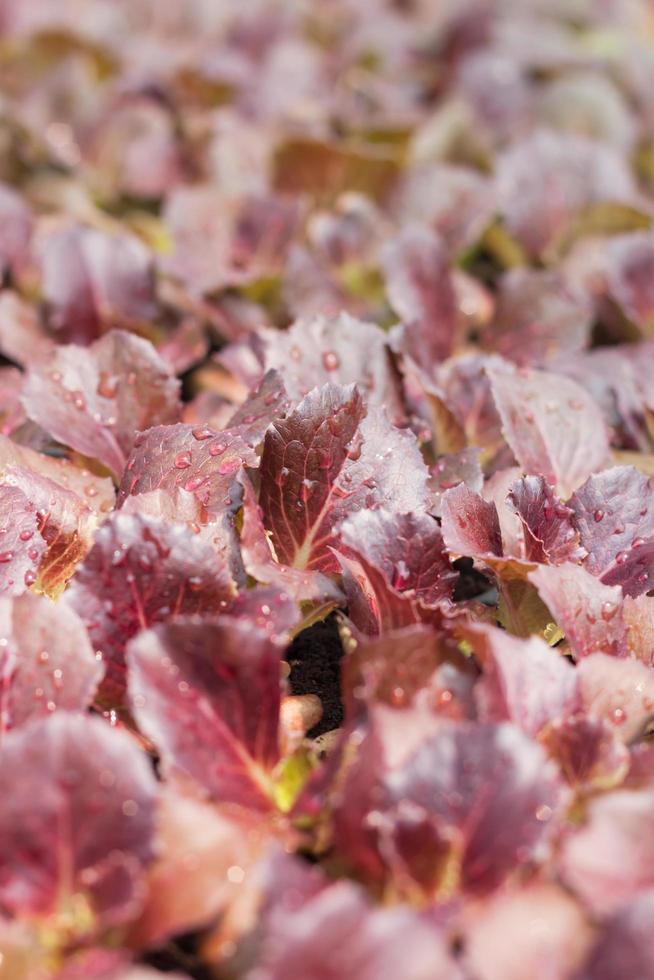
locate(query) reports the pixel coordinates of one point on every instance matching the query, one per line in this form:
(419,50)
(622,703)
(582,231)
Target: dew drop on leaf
(331,360)
(183,460)
(202,433)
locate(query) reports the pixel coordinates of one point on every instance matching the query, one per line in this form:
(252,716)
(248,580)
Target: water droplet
(30,577)
(43,657)
(618,716)
(6,557)
(307,489)
(202,433)
(282,476)
(217,448)
(194,483)
(598,516)
(107,385)
(443,698)
(621,557)
(400,575)
(354,452)
(183,460)
(235,874)
(637,542)
(609,610)
(398,697)
(26,535)
(331,360)
(543,813)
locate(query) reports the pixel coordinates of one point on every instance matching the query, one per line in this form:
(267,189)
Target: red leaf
(587,611)
(17,222)
(610,859)
(340,350)
(261,563)
(407,550)
(615,521)
(539,315)
(46,663)
(260,408)
(22,338)
(544,180)
(91,279)
(549,534)
(451,470)
(558,942)
(464,779)
(220,241)
(470,524)
(22,546)
(619,691)
(552,425)
(629,273)
(525,681)
(421,291)
(193,458)
(207,692)
(333,932)
(624,944)
(75,791)
(319,465)
(95,399)
(142,571)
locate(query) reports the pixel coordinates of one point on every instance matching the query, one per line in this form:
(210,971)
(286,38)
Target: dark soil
(315,660)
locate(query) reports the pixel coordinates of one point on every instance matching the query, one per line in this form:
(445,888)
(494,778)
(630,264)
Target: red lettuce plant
(326,490)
